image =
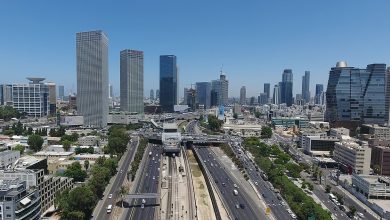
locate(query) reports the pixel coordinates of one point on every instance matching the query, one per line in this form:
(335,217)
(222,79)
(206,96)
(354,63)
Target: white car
(293,216)
(256,183)
(360,214)
(110,196)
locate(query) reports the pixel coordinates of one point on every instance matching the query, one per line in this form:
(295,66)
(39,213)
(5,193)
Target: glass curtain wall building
(168,82)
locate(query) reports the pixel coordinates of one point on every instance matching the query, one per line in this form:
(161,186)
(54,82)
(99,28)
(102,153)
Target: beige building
(53,155)
(354,154)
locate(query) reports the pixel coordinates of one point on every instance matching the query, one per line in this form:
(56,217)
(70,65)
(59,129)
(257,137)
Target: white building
(8,158)
(318,145)
(339,132)
(375,187)
(354,154)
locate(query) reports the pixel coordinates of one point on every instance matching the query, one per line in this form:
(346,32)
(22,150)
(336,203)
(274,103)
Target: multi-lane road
(148,183)
(118,181)
(239,205)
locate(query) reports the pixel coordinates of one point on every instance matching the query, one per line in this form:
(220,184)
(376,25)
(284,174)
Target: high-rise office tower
(319,90)
(52,98)
(203,94)
(243,95)
(220,91)
(61,92)
(38,106)
(157,94)
(132,81)
(92,77)
(252,101)
(263,99)
(286,87)
(267,90)
(5,94)
(191,98)
(276,96)
(387,96)
(355,96)
(111,91)
(151,96)
(185,96)
(168,82)
(306,87)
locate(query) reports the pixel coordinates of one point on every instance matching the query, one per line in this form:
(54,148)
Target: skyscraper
(243,95)
(387,96)
(286,87)
(151,97)
(319,90)
(157,94)
(52,97)
(306,87)
(267,87)
(5,94)
(111,91)
(132,81)
(185,95)
(92,77)
(168,82)
(220,90)
(263,99)
(276,96)
(355,96)
(203,93)
(61,92)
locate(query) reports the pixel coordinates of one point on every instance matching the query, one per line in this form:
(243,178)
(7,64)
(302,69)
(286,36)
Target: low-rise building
(321,145)
(374,131)
(8,157)
(90,157)
(287,122)
(17,201)
(89,140)
(380,156)
(354,155)
(339,132)
(372,187)
(52,154)
(123,118)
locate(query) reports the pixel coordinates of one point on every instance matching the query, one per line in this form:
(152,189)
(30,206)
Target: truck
(235,192)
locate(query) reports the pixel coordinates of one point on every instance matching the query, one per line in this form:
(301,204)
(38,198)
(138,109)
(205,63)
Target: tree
(122,192)
(352,210)
(75,215)
(111,164)
(82,199)
(258,114)
(310,186)
(74,171)
(35,142)
(214,123)
(66,145)
(19,148)
(235,115)
(328,188)
(266,132)
(86,164)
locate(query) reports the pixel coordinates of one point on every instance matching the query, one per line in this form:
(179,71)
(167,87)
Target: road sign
(268,211)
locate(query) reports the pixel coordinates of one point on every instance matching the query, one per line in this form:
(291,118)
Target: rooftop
(52,153)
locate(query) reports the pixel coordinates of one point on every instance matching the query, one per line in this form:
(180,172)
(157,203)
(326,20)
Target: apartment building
(354,155)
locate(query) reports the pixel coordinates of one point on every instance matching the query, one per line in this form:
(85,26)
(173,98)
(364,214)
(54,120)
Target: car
(242,206)
(342,208)
(142,206)
(289,211)
(256,183)
(154,177)
(283,203)
(237,206)
(293,216)
(110,196)
(121,171)
(263,195)
(223,184)
(360,214)
(235,185)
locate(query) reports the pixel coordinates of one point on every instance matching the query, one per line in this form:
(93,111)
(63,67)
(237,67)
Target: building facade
(355,155)
(355,96)
(203,94)
(380,156)
(151,96)
(132,81)
(243,95)
(306,87)
(267,90)
(276,95)
(168,82)
(319,91)
(5,94)
(92,77)
(286,87)
(32,98)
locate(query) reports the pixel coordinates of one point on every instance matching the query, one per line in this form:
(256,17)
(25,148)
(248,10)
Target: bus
(109,209)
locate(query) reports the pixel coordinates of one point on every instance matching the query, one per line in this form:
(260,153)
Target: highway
(263,187)
(148,183)
(118,181)
(240,206)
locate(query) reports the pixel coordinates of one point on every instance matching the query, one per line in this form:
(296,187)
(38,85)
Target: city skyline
(201,55)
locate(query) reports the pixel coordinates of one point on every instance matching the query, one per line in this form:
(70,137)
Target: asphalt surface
(269,196)
(118,181)
(225,185)
(148,183)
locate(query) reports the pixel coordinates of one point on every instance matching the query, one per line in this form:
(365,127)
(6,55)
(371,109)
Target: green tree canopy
(19,148)
(74,171)
(35,142)
(266,132)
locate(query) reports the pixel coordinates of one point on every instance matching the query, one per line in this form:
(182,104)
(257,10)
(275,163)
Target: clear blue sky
(254,40)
